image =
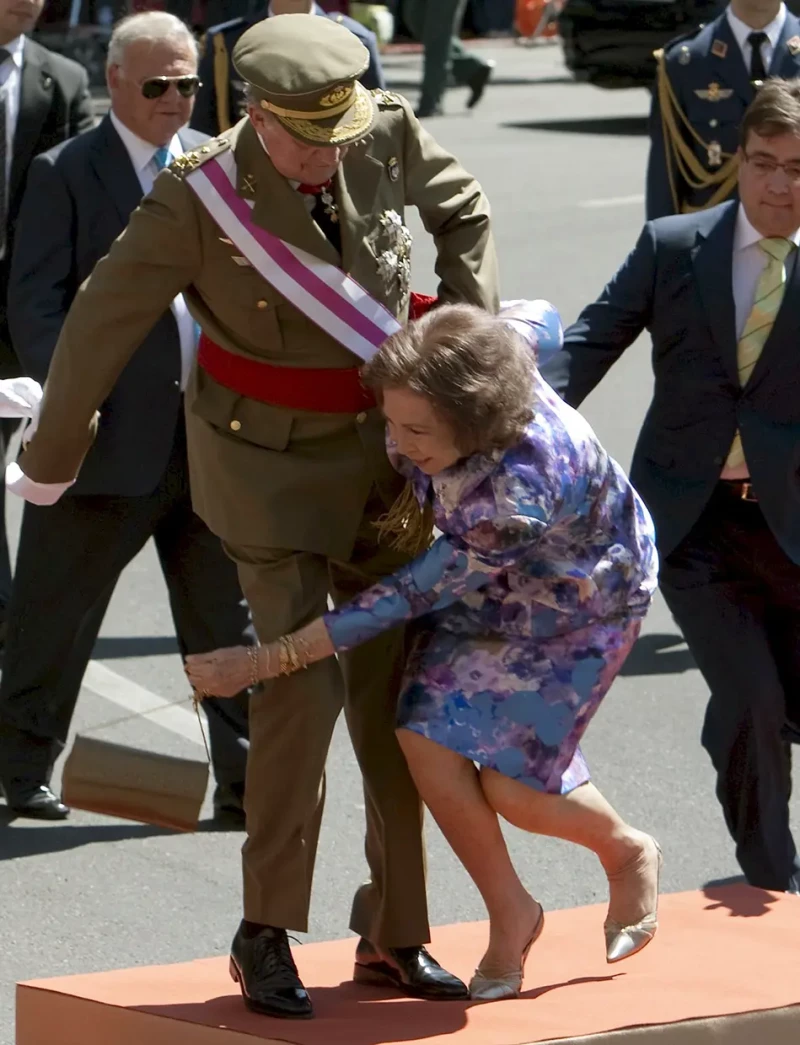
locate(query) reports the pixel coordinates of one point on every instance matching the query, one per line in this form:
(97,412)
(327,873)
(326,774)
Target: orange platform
(723,970)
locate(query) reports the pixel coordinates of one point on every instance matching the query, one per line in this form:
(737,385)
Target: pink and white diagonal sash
(322,292)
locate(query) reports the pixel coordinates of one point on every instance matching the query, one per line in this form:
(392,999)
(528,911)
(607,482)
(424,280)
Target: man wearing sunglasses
(135,484)
(221,100)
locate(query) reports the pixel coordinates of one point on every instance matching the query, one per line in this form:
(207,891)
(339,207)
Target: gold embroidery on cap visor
(338,95)
(306,125)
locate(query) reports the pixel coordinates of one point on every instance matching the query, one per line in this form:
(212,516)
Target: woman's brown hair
(473,368)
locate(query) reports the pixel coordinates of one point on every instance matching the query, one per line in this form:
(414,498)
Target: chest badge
(684,55)
(393,167)
(394,261)
(714,93)
(714,154)
(719,48)
(793,45)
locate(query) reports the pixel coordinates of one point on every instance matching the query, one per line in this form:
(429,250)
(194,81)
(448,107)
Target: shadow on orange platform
(723,970)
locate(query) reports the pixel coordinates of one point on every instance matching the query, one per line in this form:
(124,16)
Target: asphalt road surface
(563,165)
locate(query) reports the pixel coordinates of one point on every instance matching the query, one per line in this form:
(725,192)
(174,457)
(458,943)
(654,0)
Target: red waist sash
(326,391)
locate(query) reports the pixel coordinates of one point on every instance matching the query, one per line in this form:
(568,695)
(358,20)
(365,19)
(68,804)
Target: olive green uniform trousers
(291,724)
(436,24)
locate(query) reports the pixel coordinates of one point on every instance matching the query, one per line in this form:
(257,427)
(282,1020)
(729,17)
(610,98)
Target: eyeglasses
(156,86)
(763,166)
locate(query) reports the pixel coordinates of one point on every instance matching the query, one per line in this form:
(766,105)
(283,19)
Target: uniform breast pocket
(718,120)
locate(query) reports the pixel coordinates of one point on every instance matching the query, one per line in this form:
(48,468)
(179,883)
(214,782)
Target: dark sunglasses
(156,86)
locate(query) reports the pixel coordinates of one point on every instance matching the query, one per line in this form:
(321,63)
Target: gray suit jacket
(677,284)
(79,198)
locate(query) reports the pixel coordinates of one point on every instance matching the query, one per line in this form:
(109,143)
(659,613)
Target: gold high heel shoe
(509,985)
(623,941)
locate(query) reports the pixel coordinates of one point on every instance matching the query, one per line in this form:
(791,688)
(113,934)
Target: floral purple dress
(528,603)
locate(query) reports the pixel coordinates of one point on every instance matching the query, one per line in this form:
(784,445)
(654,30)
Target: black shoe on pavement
(410,969)
(265,970)
(478,84)
(34,800)
(424,112)
(229,807)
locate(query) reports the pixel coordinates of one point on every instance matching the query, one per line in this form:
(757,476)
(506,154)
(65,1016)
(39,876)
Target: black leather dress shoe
(424,112)
(229,806)
(265,970)
(34,801)
(410,969)
(478,84)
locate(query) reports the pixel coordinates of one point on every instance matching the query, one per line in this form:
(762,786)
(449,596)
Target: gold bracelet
(294,658)
(286,666)
(252,653)
(304,656)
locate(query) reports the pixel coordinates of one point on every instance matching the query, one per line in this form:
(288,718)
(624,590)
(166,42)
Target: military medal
(684,55)
(394,264)
(719,48)
(393,166)
(329,203)
(714,93)
(793,45)
(714,154)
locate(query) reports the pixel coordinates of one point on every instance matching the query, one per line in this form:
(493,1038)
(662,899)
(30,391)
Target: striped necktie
(769,295)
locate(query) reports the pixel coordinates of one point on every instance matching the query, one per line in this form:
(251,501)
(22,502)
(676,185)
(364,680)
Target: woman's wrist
(266,662)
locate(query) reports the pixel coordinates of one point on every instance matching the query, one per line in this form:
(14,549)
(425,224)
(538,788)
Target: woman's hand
(226,672)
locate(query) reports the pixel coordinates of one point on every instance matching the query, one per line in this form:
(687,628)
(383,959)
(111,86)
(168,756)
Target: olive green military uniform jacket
(263,475)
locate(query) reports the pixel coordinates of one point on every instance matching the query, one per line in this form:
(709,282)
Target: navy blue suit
(218,47)
(134,483)
(730,568)
(692,67)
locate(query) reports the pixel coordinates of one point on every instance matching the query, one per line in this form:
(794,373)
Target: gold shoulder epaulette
(190,161)
(386,98)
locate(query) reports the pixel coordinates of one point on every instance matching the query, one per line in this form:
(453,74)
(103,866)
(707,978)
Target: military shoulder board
(183,165)
(387,98)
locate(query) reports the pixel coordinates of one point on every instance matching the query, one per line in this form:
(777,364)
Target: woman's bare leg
(583,816)
(449,785)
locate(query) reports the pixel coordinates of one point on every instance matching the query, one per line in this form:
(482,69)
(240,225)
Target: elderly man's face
(157,118)
(310,164)
(18,17)
(769,183)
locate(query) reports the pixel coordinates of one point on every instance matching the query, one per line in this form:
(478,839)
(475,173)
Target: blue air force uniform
(221,100)
(704,85)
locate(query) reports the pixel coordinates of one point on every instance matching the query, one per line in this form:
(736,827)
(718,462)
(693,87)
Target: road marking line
(612,201)
(136,699)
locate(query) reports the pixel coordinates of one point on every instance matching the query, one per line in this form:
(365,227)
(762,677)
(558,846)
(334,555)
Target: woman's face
(420,435)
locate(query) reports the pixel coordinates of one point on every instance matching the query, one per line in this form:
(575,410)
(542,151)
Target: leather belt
(326,391)
(742,489)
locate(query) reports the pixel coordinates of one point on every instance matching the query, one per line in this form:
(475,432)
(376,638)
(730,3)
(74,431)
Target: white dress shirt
(749,261)
(741,31)
(142,156)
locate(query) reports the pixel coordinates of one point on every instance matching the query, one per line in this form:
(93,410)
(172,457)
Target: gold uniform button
(361,418)
(235,426)
(262,304)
